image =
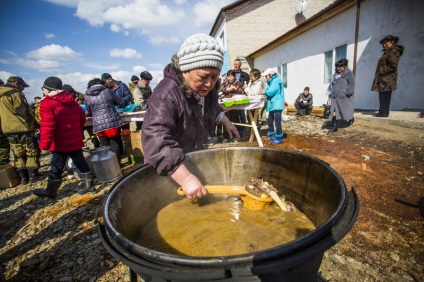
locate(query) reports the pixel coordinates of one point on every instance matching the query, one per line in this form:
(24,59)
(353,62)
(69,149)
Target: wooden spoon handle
(277,199)
(214,189)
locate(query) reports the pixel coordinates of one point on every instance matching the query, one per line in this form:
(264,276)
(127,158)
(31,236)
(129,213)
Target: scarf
(334,80)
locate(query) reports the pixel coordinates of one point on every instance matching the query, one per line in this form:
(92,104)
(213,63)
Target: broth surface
(221,226)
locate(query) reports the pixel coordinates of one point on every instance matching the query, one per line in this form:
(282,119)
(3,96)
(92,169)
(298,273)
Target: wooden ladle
(250,201)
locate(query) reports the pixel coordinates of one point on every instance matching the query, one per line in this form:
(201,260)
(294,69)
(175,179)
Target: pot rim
(248,258)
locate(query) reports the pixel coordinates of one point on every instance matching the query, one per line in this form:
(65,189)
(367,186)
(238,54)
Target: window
(283,74)
(330,58)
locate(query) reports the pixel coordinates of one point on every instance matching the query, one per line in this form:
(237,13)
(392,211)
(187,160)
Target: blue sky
(78,40)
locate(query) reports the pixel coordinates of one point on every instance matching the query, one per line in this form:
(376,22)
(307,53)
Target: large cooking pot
(311,184)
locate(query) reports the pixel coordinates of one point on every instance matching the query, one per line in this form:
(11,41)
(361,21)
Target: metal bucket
(311,184)
(105,164)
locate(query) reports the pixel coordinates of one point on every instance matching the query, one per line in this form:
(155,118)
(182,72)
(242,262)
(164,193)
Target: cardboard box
(8,176)
(134,147)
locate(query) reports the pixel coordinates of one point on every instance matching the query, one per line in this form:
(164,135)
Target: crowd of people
(55,123)
(182,113)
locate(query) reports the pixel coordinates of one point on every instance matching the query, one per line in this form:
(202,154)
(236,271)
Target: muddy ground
(45,240)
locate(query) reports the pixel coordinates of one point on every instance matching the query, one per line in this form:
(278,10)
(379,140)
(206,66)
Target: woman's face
(201,80)
(231,78)
(340,69)
(387,44)
(252,78)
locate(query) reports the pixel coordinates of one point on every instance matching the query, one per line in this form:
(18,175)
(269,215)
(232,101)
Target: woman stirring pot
(182,108)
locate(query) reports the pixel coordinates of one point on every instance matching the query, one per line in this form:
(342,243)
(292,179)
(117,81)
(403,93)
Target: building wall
(304,54)
(256,23)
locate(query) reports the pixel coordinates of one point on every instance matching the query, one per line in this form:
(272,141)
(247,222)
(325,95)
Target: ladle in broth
(250,201)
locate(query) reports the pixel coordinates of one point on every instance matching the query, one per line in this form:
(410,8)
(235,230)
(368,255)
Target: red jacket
(61,122)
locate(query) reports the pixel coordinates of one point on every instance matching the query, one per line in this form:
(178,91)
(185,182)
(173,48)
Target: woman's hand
(230,128)
(190,184)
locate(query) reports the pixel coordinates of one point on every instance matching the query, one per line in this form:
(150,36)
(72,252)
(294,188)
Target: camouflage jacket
(385,78)
(15,112)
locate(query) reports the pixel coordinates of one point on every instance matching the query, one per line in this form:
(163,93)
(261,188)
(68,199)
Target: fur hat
(53,83)
(106,76)
(200,51)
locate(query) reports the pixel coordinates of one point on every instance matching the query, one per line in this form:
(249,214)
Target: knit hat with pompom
(200,51)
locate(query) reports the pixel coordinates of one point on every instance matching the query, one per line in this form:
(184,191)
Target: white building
(306,54)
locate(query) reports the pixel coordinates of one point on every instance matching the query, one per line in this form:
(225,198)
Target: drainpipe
(355,50)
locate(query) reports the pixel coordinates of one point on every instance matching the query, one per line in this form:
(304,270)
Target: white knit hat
(200,51)
(269,71)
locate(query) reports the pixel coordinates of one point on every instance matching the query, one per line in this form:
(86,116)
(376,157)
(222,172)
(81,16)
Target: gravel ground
(47,240)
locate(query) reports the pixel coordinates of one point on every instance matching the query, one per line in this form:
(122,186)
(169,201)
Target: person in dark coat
(107,122)
(304,101)
(386,74)
(61,122)
(340,91)
(182,108)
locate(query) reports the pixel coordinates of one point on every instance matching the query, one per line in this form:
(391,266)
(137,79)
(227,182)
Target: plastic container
(311,184)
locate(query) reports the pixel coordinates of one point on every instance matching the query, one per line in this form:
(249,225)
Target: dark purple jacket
(101,102)
(173,124)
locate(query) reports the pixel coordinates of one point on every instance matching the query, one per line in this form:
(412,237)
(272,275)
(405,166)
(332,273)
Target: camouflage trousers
(4,149)
(25,149)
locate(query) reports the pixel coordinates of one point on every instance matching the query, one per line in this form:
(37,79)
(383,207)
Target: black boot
(33,175)
(307,111)
(23,174)
(51,190)
(336,124)
(88,182)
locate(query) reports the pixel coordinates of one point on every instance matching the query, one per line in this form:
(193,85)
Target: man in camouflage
(19,125)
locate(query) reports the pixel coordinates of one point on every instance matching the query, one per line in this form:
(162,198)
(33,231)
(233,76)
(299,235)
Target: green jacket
(15,113)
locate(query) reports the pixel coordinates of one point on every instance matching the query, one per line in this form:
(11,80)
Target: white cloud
(101,67)
(159,40)
(4,75)
(48,35)
(53,52)
(207,11)
(143,16)
(126,53)
(40,65)
(66,3)
(180,2)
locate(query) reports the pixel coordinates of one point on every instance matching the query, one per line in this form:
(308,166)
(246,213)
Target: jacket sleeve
(117,100)
(392,62)
(48,126)
(273,88)
(161,150)
(126,94)
(350,78)
(23,110)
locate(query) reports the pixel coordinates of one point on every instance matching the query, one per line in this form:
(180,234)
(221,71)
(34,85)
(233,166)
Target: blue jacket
(100,102)
(274,94)
(121,90)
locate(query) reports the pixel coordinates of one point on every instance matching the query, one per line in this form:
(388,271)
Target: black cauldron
(311,184)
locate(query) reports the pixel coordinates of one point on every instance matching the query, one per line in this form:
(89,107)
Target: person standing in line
(19,124)
(304,101)
(340,91)
(242,77)
(121,90)
(107,122)
(133,83)
(62,120)
(183,106)
(274,92)
(142,93)
(386,74)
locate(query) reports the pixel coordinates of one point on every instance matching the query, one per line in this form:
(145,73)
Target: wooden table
(256,104)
